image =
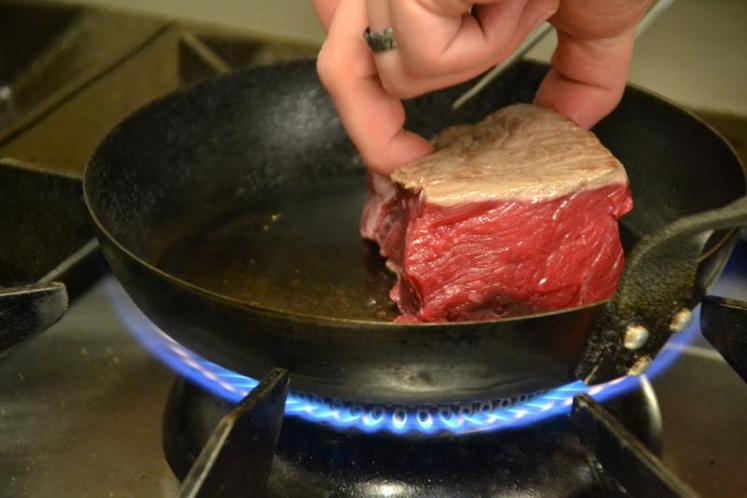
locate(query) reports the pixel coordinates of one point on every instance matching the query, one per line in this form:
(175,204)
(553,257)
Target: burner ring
(424,414)
(457,418)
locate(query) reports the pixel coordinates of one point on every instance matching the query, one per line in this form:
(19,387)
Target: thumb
(587,78)
(590,64)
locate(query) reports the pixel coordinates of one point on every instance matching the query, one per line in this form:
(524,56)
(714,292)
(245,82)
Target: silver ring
(380,41)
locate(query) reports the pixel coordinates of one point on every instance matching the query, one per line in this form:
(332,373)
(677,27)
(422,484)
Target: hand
(441,43)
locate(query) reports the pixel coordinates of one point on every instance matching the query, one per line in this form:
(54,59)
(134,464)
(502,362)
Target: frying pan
(229,212)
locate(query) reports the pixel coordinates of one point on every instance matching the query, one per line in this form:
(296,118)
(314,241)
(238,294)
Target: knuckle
(447,7)
(397,84)
(326,67)
(422,62)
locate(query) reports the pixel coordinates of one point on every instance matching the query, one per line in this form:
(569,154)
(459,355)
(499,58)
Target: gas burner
(544,459)
(457,418)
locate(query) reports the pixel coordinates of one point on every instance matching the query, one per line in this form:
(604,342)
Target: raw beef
(514,215)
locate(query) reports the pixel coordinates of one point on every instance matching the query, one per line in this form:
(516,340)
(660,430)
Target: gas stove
(105,404)
(89,410)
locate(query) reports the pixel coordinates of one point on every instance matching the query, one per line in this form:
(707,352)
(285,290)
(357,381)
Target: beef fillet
(514,215)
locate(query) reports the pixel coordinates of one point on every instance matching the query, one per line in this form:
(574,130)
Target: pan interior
(247,186)
(298,250)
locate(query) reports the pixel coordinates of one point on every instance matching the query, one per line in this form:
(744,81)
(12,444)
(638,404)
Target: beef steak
(514,215)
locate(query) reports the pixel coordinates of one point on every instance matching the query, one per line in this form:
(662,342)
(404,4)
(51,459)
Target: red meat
(472,252)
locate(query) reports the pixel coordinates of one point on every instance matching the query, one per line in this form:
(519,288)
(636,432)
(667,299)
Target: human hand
(441,43)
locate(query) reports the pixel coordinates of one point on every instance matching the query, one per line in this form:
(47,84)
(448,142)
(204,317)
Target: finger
(373,119)
(325,9)
(394,78)
(377,12)
(431,42)
(587,79)
(389,66)
(451,8)
(398,79)
(590,64)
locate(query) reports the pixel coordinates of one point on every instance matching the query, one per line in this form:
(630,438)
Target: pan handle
(26,311)
(654,296)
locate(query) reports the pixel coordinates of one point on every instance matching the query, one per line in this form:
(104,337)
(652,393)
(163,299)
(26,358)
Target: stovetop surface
(82,408)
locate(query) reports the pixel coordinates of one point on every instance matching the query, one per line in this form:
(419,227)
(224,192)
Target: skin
(441,43)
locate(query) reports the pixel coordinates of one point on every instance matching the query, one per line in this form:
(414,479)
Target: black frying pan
(230,214)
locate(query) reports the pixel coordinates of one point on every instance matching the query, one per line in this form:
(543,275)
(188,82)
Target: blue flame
(425,420)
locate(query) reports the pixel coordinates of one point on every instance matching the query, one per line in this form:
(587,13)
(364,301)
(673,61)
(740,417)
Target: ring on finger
(380,41)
